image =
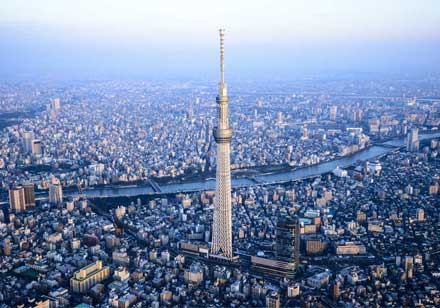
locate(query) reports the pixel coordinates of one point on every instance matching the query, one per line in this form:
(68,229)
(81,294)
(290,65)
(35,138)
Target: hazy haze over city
(172,39)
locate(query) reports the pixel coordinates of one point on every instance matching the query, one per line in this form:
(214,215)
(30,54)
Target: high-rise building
(420,215)
(36,147)
(29,195)
(335,289)
(315,245)
(293,290)
(222,220)
(194,274)
(88,276)
(273,300)
(305,131)
(27,141)
(7,247)
(17,199)
(190,110)
(409,263)
(333,112)
(280,117)
(55,193)
(56,104)
(288,239)
(356,115)
(434,188)
(412,142)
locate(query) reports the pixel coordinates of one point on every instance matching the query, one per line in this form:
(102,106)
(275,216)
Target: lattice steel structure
(222,223)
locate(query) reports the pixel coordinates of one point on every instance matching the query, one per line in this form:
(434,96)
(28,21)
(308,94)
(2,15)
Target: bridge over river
(373,152)
(153,188)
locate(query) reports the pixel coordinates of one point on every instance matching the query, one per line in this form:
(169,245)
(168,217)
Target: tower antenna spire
(222,55)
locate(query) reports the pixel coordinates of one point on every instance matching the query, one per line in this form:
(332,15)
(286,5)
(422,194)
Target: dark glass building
(288,239)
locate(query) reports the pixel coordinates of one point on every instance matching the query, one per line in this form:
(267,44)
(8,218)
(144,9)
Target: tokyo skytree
(222,222)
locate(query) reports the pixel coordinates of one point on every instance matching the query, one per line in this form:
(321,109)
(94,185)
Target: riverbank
(278,177)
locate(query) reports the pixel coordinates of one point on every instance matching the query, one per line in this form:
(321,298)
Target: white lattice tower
(222,222)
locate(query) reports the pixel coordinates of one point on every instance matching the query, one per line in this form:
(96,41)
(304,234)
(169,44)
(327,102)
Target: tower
(222,222)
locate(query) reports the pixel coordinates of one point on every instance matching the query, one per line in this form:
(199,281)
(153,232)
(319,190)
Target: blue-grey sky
(178,38)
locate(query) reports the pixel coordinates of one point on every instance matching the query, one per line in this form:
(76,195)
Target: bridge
(155,186)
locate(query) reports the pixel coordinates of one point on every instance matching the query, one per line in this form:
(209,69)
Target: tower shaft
(222,222)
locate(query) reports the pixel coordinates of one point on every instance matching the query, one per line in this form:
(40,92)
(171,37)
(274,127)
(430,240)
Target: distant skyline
(178,39)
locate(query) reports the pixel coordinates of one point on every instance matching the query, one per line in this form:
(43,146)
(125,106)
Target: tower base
(223,259)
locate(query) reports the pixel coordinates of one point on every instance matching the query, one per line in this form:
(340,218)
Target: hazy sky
(167,38)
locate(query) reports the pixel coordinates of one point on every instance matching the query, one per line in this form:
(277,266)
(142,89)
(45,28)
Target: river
(268,178)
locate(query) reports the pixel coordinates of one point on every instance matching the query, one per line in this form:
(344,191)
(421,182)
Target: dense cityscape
(320,190)
(368,232)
